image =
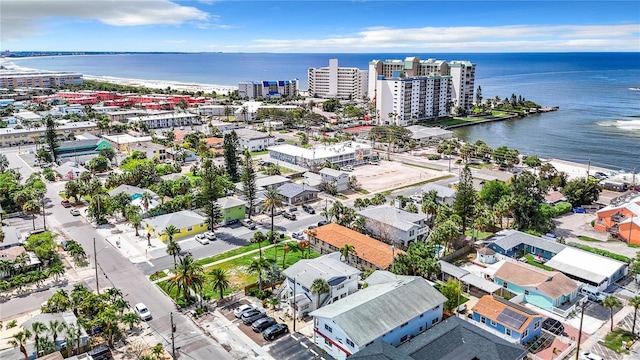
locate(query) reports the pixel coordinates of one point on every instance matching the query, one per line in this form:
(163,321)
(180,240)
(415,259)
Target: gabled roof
(291,190)
(68,166)
(332,172)
(229,202)
(393,216)
(180,220)
(585,265)
(552,283)
(128,189)
(265,181)
(372,312)
(12,236)
(380,350)
(443,191)
(508,239)
(633,205)
(328,267)
(367,248)
(491,308)
(80,143)
(457,339)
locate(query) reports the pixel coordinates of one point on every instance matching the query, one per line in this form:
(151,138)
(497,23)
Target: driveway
(296,347)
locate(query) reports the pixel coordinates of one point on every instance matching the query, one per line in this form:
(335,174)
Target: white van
(593,294)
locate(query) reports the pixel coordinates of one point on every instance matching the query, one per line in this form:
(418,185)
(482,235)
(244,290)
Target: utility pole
(584,303)
(588,168)
(295,305)
(95,260)
(173,343)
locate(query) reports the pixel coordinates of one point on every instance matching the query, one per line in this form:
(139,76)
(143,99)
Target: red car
(66,203)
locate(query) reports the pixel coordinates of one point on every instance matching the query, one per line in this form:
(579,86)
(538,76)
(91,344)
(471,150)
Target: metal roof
(508,239)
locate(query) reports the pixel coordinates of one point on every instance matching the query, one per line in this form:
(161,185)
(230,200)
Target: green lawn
(421,166)
(479,235)
(363,191)
(614,340)
(586,238)
(157,275)
(531,261)
(256,153)
(234,252)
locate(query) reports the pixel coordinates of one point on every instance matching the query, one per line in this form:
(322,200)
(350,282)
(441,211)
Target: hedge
(601,252)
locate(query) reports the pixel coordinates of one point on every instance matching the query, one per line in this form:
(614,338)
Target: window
(328,328)
(350,343)
(505,284)
(190,228)
(404,338)
(493,323)
(507,332)
(536,325)
(434,321)
(405,324)
(483,319)
(328,343)
(526,292)
(525,333)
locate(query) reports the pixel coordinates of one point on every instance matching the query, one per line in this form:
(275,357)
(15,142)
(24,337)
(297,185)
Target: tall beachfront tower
(337,82)
(459,75)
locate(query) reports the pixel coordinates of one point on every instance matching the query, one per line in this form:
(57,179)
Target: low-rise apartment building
(395,226)
(16,137)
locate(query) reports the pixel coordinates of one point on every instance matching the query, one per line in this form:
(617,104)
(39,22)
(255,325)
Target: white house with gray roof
(295,194)
(393,308)
(445,195)
(514,243)
(254,140)
(341,277)
(386,223)
(339,178)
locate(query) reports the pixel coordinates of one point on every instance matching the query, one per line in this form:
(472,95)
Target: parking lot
(391,174)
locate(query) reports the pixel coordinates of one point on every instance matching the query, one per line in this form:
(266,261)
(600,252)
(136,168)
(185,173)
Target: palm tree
(259,266)
(56,270)
(258,237)
(71,189)
(157,351)
(73,337)
(189,275)
(347,250)
(56,327)
(31,207)
(272,201)
(4,163)
(173,249)
(319,286)
(169,231)
(135,220)
(611,302)
(220,281)
(109,321)
(19,340)
(38,328)
(635,302)
(2,235)
(145,200)
(131,319)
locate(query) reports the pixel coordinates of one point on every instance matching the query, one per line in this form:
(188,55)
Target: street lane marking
(150,263)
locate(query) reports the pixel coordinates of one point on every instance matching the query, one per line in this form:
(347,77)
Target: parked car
(309,209)
(289,215)
(416,197)
(202,239)
(241,309)
(347,168)
(100,353)
(252,315)
(579,210)
(553,326)
(210,235)
(261,324)
(374,162)
(250,224)
(298,235)
(66,203)
(279,140)
(590,356)
(142,311)
(322,223)
(274,331)
(75,212)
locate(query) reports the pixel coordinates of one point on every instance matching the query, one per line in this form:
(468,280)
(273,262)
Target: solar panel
(512,318)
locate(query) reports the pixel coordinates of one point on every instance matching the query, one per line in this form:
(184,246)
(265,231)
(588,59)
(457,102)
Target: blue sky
(319,26)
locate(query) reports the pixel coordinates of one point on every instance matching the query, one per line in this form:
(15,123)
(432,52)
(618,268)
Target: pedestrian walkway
(137,249)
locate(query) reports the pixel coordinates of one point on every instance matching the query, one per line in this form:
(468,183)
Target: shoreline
(149,83)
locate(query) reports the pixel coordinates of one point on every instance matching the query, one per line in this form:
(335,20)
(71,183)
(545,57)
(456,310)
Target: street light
(95,259)
(583,305)
(295,305)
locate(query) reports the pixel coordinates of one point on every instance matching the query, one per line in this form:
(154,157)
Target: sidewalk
(135,248)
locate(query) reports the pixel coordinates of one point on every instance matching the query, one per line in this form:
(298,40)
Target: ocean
(598,120)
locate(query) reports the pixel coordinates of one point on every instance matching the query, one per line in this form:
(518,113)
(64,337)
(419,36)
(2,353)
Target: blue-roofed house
(512,322)
(514,243)
(296,194)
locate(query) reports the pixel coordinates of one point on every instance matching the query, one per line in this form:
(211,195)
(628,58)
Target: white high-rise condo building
(337,82)
(402,101)
(453,81)
(268,89)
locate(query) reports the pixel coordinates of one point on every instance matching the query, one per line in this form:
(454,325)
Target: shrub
(255,292)
(434,157)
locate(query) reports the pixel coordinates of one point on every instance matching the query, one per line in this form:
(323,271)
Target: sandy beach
(154,84)
(577,170)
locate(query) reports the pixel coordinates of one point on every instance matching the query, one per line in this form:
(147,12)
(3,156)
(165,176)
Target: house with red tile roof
(370,254)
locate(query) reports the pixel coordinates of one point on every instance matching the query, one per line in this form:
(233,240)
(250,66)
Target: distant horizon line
(107,52)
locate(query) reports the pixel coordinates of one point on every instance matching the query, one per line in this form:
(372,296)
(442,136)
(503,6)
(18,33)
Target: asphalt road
(116,271)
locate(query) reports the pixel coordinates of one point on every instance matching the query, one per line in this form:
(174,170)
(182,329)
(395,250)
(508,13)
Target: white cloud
(623,37)
(22,18)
